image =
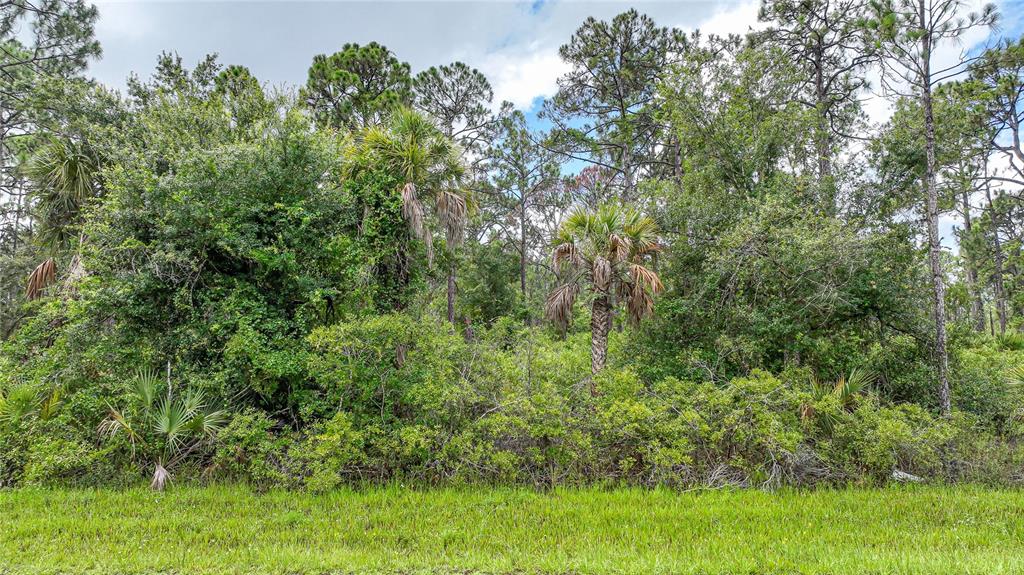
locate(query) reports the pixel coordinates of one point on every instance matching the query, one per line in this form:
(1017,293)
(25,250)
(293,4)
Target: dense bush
(395,398)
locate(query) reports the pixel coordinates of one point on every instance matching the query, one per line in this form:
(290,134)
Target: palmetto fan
(170,427)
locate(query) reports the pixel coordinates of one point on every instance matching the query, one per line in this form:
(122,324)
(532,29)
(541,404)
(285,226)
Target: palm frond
(639,304)
(116,423)
(559,305)
(646,278)
(18,403)
(565,253)
(44,275)
(619,248)
(161,477)
(146,384)
(170,420)
(207,423)
(451,207)
(50,404)
(601,274)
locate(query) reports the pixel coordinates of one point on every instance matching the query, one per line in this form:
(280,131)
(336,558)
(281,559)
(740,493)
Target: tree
(356,87)
(41,44)
(524,175)
(65,176)
(824,39)
(605,107)
(457,97)
(906,33)
(427,164)
(605,251)
(998,77)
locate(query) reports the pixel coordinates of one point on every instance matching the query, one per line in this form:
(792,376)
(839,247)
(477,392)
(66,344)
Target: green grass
(392,530)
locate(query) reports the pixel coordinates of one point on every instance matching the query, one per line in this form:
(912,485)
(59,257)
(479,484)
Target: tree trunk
(598,336)
(451,293)
(971,270)
(997,274)
(522,249)
(932,216)
(823,139)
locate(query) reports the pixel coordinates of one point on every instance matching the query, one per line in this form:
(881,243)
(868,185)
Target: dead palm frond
(42,277)
(161,477)
(451,207)
(644,277)
(565,254)
(559,305)
(601,274)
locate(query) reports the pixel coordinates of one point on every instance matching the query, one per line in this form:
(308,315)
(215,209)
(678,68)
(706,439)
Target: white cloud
(523,74)
(736,18)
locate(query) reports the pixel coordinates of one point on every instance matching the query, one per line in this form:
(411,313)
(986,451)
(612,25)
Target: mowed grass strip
(394,530)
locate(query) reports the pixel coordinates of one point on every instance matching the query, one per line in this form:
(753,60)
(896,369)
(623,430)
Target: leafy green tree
(242,96)
(605,107)
(356,87)
(905,34)
(607,252)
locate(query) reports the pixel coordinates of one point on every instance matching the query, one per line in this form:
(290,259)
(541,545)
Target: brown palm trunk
(598,336)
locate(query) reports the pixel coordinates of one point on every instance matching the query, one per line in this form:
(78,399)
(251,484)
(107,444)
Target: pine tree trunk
(522,249)
(822,136)
(997,274)
(598,336)
(971,270)
(934,241)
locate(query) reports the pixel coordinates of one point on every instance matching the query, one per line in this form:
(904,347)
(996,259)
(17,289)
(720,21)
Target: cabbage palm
(64,174)
(167,426)
(605,251)
(428,165)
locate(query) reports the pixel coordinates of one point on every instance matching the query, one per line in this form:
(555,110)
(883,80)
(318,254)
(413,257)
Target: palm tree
(428,164)
(64,173)
(167,427)
(605,251)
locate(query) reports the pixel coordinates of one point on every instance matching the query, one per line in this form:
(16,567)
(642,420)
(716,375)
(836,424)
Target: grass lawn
(393,530)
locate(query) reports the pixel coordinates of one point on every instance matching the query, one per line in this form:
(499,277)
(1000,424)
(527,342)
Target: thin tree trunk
(971,270)
(823,138)
(451,293)
(932,216)
(997,274)
(598,336)
(522,249)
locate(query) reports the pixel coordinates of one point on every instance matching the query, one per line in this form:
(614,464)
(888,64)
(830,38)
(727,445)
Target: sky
(515,44)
